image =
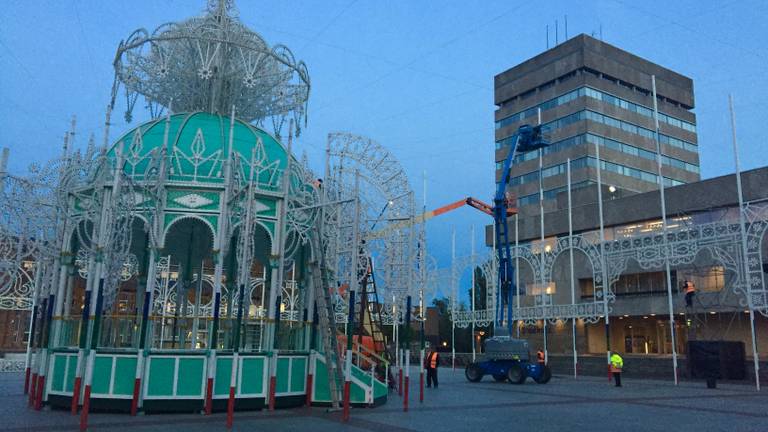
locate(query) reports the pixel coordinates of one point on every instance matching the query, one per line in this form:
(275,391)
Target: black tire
(546,375)
(500,378)
(473,373)
(516,374)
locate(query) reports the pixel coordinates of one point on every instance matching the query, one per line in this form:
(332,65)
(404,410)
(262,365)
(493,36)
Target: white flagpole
(667,251)
(517,269)
(453,300)
(570,253)
(541,248)
(604,274)
(472,291)
(742,223)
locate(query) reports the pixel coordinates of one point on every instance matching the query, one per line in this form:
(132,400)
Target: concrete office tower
(591,92)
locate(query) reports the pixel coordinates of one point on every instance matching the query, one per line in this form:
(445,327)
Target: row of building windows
(598,95)
(551,193)
(608,143)
(589,161)
(609,121)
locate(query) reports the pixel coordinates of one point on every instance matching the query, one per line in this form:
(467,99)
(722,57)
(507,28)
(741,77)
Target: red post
(345,411)
(76,395)
(26,379)
(86,405)
(209,396)
(32,390)
(272,390)
(40,391)
(405,394)
(135,400)
(309,389)
(421,386)
(231,407)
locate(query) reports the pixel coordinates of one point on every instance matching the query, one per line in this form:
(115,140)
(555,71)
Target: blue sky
(415,76)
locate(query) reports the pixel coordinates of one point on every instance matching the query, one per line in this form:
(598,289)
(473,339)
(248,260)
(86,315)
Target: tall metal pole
(570,259)
(422,312)
(604,274)
(665,245)
(542,251)
(742,224)
(222,245)
(243,280)
(353,286)
(472,290)
(517,267)
(453,299)
(277,287)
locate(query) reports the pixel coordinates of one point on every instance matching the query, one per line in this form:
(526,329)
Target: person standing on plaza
(430,364)
(617,363)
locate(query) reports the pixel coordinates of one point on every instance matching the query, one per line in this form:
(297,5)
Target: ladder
(373,308)
(326,325)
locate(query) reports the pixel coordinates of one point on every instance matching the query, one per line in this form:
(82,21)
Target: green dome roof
(197,147)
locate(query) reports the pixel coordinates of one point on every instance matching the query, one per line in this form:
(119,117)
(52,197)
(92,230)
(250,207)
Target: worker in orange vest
(541,357)
(430,364)
(690,290)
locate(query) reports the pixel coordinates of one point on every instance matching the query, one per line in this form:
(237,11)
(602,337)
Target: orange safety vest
(689,287)
(432,360)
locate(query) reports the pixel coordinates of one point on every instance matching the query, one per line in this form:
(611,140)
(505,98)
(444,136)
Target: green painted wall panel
(161,372)
(190,380)
(283,364)
(357,394)
(102,374)
(298,374)
(379,389)
(322,392)
(222,378)
(69,383)
(253,375)
(125,375)
(59,369)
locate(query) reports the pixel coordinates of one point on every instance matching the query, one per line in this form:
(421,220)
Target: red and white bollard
(40,392)
(137,382)
(421,376)
(78,383)
(87,391)
(211,372)
(232,387)
(310,377)
(347,385)
(33,386)
(273,381)
(407,378)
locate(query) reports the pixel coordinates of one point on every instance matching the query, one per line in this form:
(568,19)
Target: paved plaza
(588,404)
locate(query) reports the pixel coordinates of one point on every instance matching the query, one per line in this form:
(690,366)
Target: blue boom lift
(506,358)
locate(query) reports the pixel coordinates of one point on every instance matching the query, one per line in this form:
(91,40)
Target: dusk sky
(414,76)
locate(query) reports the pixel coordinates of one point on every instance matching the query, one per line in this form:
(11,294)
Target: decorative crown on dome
(211,63)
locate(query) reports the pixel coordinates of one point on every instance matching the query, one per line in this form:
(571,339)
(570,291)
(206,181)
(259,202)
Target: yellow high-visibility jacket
(616,363)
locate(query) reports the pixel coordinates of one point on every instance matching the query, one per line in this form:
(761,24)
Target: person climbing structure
(690,291)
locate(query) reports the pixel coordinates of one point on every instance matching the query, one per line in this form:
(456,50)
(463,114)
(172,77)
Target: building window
(594,94)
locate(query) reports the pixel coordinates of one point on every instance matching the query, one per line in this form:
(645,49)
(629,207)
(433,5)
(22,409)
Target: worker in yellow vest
(616,364)
(430,364)
(690,290)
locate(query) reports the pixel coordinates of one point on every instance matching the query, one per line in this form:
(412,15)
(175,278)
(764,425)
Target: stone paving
(565,404)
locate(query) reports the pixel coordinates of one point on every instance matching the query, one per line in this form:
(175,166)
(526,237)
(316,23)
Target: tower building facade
(589,94)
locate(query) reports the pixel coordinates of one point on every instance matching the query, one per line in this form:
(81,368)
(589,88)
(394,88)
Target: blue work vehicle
(507,359)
